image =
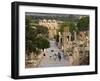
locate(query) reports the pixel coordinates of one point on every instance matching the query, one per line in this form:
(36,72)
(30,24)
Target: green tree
(29,35)
(35,36)
(72,27)
(41,30)
(83,23)
(42,43)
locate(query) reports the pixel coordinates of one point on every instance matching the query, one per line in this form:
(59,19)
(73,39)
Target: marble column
(75,38)
(65,42)
(69,36)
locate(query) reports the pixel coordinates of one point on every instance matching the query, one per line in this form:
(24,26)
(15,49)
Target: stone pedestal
(76,56)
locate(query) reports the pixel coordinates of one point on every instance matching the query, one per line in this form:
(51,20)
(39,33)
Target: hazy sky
(51,14)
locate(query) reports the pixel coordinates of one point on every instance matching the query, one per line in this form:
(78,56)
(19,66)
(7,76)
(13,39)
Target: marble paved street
(51,58)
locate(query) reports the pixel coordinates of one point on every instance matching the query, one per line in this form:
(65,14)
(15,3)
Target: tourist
(59,56)
(44,54)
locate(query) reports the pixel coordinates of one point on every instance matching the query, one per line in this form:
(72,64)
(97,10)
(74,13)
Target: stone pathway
(52,60)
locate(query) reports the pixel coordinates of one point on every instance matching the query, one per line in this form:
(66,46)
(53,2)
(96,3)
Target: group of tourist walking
(55,56)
